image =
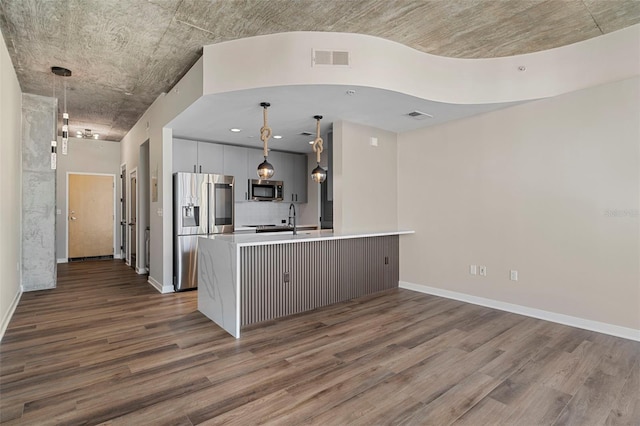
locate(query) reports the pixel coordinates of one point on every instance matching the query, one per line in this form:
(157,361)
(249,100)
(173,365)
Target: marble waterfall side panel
(217,283)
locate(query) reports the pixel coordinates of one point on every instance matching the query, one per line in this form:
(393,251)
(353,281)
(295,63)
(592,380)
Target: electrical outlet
(473,269)
(483,271)
(514,275)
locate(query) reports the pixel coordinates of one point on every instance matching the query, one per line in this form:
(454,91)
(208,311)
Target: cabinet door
(299,178)
(255,157)
(282,164)
(210,158)
(235,164)
(185,155)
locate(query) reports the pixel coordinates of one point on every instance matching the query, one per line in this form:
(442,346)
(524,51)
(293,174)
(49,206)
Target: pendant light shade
(265,169)
(318,174)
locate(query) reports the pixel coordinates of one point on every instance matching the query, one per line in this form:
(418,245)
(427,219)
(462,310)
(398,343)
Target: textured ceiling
(123,54)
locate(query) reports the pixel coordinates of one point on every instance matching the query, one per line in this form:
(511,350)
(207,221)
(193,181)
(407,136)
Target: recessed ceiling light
(235,130)
(96,135)
(277,137)
(311,142)
(78,132)
(79,136)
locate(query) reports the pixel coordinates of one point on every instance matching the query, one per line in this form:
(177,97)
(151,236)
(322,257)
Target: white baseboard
(600,327)
(141,271)
(117,256)
(9,314)
(161,288)
(62,260)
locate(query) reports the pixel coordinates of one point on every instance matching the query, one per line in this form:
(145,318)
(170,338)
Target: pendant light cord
(317,144)
(265,132)
(55,110)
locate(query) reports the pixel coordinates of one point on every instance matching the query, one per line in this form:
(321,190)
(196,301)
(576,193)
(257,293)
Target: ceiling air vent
(306,134)
(419,115)
(330,57)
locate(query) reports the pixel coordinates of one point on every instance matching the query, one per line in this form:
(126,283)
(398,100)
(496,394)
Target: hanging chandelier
(265,169)
(318,174)
(63,72)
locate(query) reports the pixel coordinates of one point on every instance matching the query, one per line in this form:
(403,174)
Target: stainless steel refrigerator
(202,205)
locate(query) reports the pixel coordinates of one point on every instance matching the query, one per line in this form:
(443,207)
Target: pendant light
(318,174)
(64,72)
(265,169)
(54,142)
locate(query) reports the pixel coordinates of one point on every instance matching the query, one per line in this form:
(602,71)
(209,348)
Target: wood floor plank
(593,402)
(105,347)
(626,409)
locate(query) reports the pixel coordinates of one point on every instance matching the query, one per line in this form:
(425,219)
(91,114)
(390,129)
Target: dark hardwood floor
(105,347)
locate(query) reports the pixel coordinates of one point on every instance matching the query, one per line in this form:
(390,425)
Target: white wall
(10,184)
(549,188)
(365,179)
(151,127)
(84,156)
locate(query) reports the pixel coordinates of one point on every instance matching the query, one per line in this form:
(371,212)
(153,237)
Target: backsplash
(261,213)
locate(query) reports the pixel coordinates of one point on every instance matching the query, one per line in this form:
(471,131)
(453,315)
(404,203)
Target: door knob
(72,218)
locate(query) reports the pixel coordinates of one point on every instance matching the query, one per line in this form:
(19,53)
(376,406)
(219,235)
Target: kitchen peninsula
(249,278)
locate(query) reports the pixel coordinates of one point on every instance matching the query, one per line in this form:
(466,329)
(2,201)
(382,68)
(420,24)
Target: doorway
(91,221)
(133,218)
(123,213)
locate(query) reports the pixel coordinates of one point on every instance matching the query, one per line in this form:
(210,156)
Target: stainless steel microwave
(265,190)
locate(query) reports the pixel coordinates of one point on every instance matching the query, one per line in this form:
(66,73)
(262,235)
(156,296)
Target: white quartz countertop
(267,238)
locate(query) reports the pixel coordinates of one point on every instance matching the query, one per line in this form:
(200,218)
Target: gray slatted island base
(249,278)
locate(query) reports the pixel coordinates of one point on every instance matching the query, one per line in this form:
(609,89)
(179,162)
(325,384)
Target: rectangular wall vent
(338,58)
(419,115)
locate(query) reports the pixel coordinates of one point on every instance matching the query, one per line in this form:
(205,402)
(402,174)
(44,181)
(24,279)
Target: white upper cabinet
(300,178)
(210,158)
(294,169)
(197,157)
(255,157)
(185,156)
(235,164)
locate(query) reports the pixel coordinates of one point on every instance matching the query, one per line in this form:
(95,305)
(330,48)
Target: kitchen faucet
(295,228)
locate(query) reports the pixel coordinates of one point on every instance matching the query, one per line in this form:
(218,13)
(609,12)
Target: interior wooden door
(91,211)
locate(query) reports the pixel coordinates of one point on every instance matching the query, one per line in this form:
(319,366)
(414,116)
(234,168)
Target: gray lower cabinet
(284,279)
